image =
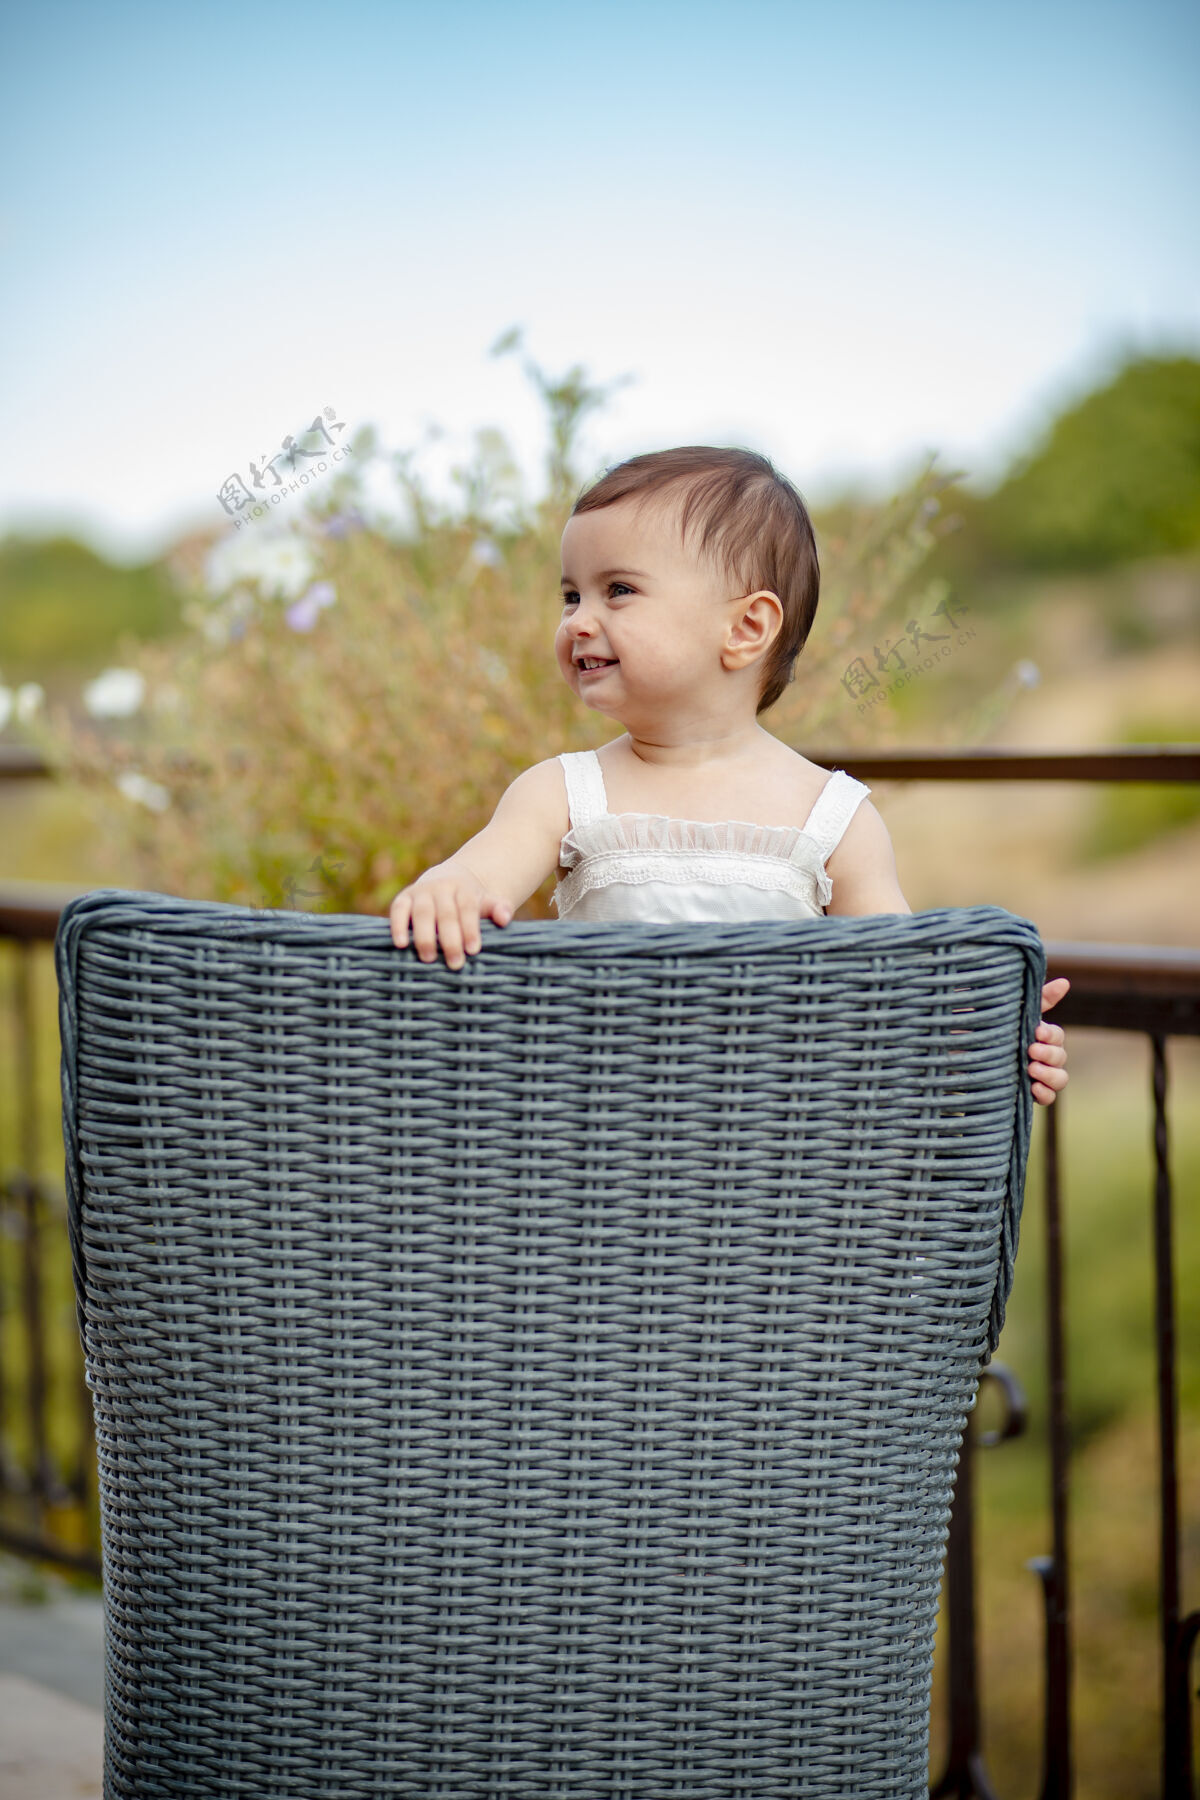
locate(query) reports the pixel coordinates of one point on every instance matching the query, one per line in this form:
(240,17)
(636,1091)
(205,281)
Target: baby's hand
(445,904)
(1048,1055)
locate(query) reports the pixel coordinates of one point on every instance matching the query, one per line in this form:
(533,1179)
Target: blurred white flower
(280,563)
(6,706)
(30,695)
(484,552)
(302,614)
(144,791)
(286,569)
(1028,674)
(116,694)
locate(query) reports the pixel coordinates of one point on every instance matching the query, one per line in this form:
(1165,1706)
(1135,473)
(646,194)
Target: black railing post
(1054,1570)
(965,1776)
(957,1781)
(1177,1633)
(26,1190)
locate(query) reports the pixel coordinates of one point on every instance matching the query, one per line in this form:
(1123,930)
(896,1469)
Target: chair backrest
(544,1379)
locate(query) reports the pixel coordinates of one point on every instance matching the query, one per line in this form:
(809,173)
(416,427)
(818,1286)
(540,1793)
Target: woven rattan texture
(544,1379)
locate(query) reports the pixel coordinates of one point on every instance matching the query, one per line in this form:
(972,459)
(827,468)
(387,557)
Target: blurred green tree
(63,604)
(1116,477)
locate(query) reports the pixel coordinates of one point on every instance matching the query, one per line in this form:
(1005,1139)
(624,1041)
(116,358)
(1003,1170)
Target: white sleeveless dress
(643,866)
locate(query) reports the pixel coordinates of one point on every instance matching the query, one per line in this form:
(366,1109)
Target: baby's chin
(611,709)
(592,695)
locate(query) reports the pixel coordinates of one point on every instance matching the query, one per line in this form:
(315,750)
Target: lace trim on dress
(655,831)
(682,870)
(635,847)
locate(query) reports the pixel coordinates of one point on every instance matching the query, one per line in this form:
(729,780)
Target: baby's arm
(493,873)
(863,869)
(863,872)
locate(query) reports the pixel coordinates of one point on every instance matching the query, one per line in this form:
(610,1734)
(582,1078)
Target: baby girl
(690,581)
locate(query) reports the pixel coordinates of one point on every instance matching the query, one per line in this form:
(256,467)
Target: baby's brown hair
(748,518)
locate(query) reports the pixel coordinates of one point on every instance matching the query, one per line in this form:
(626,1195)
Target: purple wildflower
(301,615)
(340,525)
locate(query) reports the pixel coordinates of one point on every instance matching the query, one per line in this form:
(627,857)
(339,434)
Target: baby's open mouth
(586,664)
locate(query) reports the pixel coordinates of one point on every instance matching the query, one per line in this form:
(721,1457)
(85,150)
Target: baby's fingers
(491,906)
(1046,1072)
(399,913)
(450,930)
(428,922)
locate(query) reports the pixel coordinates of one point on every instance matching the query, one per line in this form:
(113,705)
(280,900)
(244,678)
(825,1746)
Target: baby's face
(642,607)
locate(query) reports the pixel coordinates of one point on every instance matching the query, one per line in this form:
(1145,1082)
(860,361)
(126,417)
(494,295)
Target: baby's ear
(755,622)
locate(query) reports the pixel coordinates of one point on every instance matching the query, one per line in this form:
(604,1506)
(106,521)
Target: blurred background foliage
(369,735)
(318,713)
(1115,478)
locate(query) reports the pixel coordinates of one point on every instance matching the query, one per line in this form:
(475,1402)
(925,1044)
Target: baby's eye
(571,598)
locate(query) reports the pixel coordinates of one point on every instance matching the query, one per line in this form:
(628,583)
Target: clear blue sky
(843,234)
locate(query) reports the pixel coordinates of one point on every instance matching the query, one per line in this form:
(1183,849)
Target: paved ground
(51,1686)
(51,1748)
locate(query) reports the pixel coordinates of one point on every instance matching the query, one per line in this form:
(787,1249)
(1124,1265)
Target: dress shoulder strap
(835,807)
(586,798)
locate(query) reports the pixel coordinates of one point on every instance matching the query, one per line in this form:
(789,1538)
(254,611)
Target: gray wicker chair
(540,1380)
